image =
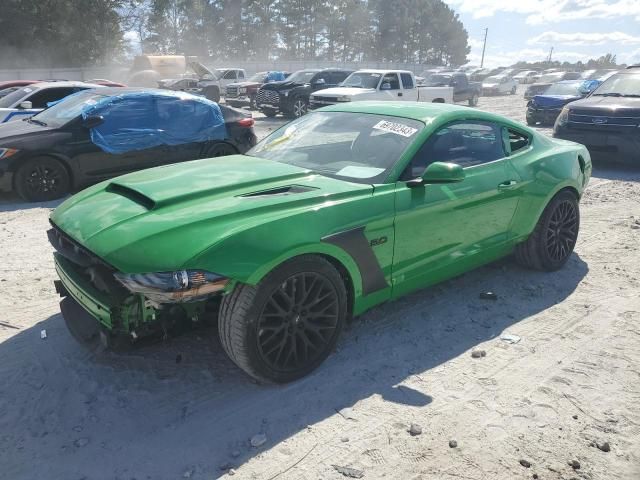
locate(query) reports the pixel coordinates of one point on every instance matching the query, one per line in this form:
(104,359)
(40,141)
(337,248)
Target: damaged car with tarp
(98,134)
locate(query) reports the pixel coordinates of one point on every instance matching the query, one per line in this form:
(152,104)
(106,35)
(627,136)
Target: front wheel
(284,327)
(252,103)
(269,112)
(41,179)
(555,235)
(212,93)
(473,101)
(298,108)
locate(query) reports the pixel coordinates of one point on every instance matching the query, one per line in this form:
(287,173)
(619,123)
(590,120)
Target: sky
(527,29)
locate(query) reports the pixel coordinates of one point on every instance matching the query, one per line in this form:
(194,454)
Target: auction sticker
(397,128)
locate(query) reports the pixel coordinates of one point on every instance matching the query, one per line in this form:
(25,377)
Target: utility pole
(484,46)
(550,54)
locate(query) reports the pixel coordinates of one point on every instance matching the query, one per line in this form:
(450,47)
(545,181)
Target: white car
(27,101)
(390,85)
(499,85)
(526,76)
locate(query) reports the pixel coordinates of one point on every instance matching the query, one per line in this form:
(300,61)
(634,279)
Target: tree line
(85,32)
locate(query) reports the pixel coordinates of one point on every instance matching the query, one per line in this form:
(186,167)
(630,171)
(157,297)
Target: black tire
(298,108)
(473,101)
(212,93)
(552,241)
(41,179)
(531,122)
(221,149)
(270,112)
(257,324)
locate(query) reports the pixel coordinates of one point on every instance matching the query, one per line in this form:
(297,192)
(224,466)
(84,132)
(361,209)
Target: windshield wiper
(36,121)
(633,95)
(610,94)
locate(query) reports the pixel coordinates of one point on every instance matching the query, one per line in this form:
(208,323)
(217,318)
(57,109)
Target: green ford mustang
(330,215)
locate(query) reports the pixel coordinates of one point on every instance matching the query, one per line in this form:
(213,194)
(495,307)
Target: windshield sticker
(359,172)
(397,128)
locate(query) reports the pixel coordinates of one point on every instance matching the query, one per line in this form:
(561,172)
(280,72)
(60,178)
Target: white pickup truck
(398,85)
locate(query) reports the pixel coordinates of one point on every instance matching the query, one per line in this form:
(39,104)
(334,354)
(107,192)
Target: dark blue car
(544,109)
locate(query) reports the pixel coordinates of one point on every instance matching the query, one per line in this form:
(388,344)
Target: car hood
(244,84)
(551,101)
(337,91)
(19,130)
(179,211)
(283,85)
(200,70)
(614,106)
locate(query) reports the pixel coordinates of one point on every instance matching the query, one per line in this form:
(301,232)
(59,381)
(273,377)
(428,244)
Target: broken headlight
(563,118)
(173,287)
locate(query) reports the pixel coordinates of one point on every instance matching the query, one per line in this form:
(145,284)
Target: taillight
(246,122)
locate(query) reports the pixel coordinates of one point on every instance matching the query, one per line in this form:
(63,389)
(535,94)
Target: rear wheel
(285,327)
(41,179)
(473,101)
(552,241)
(219,150)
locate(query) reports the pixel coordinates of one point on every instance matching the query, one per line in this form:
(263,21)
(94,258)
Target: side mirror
(25,105)
(93,121)
(385,86)
(318,82)
(439,173)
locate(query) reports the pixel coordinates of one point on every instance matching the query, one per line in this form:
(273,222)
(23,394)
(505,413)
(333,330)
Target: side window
(230,75)
(391,79)
(407,81)
(241,74)
(40,98)
(517,141)
(466,143)
(337,77)
(319,77)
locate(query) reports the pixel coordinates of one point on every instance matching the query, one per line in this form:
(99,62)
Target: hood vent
(279,191)
(132,195)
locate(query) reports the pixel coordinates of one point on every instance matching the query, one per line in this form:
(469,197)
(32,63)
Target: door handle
(508,185)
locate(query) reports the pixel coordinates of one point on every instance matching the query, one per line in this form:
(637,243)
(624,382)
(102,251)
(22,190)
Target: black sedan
(98,134)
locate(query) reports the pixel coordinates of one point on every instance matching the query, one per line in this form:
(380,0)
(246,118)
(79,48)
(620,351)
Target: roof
(382,71)
(424,112)
(65,84)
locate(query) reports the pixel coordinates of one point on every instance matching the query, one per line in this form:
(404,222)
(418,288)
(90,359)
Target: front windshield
(10,99)
(572,88)
(620,85)
(550,78)
(362,80)
(6,91)
(258,77)
(66,110)
(493,79)
(355,147)
(302,76)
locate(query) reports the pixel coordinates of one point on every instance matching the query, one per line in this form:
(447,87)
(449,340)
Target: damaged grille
(91,267)
(268,96)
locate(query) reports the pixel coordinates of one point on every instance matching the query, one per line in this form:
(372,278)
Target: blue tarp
(275,76)
(141,120)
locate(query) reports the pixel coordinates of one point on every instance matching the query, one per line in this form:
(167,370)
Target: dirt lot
(182,410)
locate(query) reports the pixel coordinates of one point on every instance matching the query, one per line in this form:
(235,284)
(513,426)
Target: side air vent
(132,195)
(279,191)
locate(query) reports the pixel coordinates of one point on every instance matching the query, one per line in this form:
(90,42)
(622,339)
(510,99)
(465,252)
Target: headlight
(173,287)
(7,152)
(563,118)
(343,98)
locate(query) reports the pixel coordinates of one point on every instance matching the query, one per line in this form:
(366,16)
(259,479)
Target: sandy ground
(182,410)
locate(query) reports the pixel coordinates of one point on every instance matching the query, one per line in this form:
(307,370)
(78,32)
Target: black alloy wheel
(42,179)
(298,322)
(562,231)
(299,107)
